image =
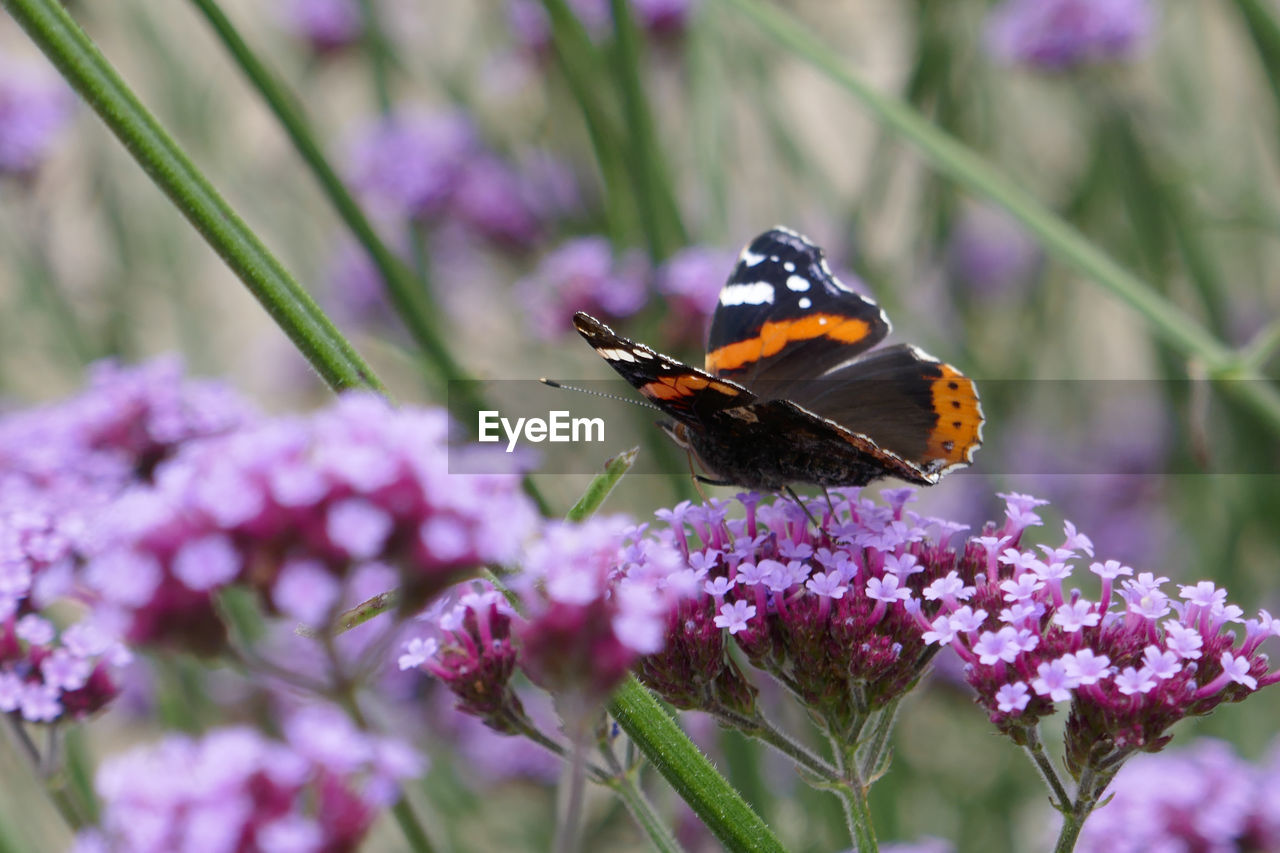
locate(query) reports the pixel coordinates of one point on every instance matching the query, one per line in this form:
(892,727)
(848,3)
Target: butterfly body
(792,392)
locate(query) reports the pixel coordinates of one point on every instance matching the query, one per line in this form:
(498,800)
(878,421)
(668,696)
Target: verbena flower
(35,107)
(301,503)
(691,280)
(433,167)
(582,274)
(531,27)
(1059,34)
(325,25)
(235,789)
(584,622)
(1202,797)
(847,617)
(990,254)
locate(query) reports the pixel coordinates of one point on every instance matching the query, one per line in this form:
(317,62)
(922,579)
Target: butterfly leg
(800,503)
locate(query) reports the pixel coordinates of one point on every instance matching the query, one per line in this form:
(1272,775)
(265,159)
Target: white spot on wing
(754,293)
(789,267)
(750,258)
(805,302)
(797,283)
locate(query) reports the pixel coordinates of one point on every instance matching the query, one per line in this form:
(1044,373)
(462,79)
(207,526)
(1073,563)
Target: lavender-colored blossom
(990,254)
(1060,34)
(325,25)
(35,107)
(235,789)
(531,27)
(377,490)
(1027,643)
(582,274)
(433,167)
(1203,797)
(691,280)
(412,163)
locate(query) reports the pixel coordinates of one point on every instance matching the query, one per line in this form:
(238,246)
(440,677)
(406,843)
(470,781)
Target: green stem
(624,784)
(719,806)
(406,293)
(763,730)
(971,171)
(659,214)
(80,62)
(601,485)
(579,62)
(1264,345)
(380,59)
(1035,750)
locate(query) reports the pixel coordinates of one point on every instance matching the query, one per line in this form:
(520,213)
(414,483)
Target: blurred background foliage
(526,160)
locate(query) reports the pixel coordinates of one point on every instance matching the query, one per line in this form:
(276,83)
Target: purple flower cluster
(1202,797)
(1059,34)
(434,167)
(234,789)
(47,674)
(659,18)
(295,505)
(582,274)
(60,466)
(35,107)
(1029,642)
(326,25)
(592,605)
(847,616)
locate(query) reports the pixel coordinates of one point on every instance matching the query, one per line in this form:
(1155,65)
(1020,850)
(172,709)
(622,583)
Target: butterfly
(793,389)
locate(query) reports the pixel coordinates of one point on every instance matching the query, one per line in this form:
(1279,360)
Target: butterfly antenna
(555,384)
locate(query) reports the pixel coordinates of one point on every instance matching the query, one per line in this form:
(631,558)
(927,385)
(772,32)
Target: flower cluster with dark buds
(293,506)
(319,788)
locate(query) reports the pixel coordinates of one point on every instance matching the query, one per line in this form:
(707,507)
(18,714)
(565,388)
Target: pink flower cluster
(60,466)
(316,791)
(1202,797)
(294,505)
(591,604)
(847,616)
(1029,642)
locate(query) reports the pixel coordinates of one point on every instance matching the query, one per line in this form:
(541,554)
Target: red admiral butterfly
(788,395)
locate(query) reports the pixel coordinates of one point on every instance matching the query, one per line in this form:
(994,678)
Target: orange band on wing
(683,385)
(775,335)
(958,432)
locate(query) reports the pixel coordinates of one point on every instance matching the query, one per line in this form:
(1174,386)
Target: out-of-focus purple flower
(532,28)
(691,280)
(358,483)
(412,163)
(582,274)
(585,621)
(1060,34)
(1202,797)
(990,254)
(492,199)
(48,675)
(35,107)
(234,789)
(435,169)
(325,25)
(924,845)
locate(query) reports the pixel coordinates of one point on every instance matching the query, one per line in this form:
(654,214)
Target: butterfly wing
(783,315)
(685,393)
(904,400)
